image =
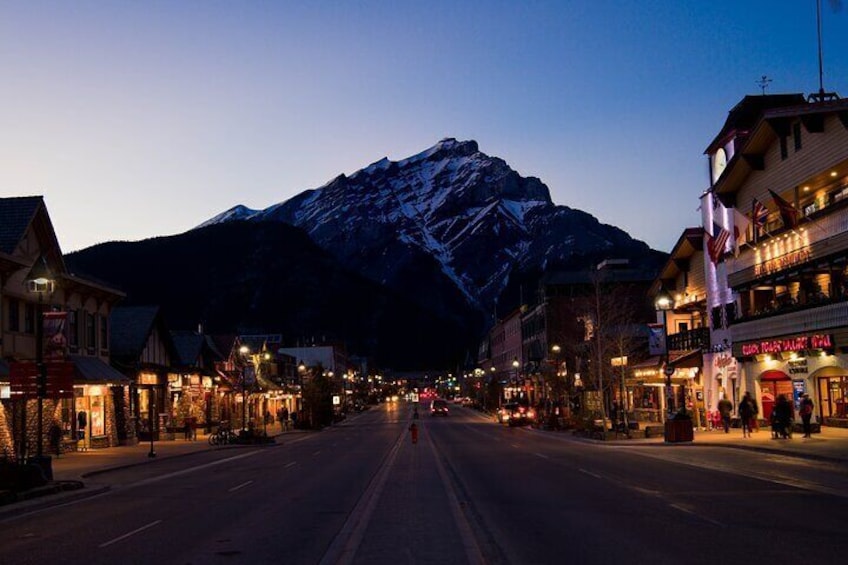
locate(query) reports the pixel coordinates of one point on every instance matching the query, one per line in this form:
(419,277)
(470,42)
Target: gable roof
(745,115)
(17,214)
(188,345)
(130,326)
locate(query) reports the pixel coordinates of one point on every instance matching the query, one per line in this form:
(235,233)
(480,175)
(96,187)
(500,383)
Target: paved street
(470,491)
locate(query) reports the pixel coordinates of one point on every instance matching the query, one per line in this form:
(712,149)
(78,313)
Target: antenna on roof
(763,83)
(821,95)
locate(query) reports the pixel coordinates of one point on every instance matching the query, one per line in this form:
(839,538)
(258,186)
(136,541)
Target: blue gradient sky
(138,119)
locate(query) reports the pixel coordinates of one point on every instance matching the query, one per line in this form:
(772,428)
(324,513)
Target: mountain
(269,277)
(447,226)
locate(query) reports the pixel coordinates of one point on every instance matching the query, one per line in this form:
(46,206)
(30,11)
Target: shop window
(104,332)
(730,312)
(90,333)
(29,318)
(14,315)
(73,330)
(715,315)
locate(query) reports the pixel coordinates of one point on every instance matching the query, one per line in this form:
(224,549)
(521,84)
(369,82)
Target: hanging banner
(656,339)
(55,335)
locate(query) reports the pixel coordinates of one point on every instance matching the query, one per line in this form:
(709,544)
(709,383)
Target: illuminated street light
(244,351)
(40,280)
(664,303)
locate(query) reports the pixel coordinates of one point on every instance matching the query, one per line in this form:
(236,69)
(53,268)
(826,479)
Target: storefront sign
(799,343)
(776,264)
(798,366)
(148,379)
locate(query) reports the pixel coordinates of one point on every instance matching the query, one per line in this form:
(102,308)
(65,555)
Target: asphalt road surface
(469,491)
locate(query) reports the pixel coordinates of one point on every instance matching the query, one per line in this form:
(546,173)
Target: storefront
(100,415)
(832,391)
(798,365)
(149,405)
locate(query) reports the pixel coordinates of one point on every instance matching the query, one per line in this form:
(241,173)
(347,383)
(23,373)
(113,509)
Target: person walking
(755,419)
(806,411)
(725,407)
(746,412)
(783,416)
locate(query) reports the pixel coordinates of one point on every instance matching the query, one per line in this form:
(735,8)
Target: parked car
(439,407)
(515,414)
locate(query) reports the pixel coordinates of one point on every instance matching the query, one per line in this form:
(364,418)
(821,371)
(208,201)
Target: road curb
(151,460)
(15,509)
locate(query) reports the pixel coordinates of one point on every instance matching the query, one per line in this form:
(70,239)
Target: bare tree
(611,317)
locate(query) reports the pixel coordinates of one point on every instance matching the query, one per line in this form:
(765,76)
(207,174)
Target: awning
(774,376)
(649,363)
(92,370)
(687,359)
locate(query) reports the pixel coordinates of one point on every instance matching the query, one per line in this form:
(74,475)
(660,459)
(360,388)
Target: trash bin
(678,429)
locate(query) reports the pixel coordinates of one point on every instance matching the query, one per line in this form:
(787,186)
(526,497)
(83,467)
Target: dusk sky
(140,119)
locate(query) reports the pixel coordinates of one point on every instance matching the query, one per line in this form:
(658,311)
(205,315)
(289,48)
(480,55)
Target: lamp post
(243,350)
(555,348)
(515,366)
(151,415)
(40,280)
(664,303)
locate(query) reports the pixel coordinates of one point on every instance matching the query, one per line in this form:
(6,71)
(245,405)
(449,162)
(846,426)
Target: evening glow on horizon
(141,119)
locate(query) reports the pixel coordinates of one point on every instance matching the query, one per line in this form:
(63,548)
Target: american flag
(717,243)
(759,213)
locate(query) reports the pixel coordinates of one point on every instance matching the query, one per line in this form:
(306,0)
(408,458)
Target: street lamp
(515,365)
(151,403)
(663,303)
(40,280)
(243,350)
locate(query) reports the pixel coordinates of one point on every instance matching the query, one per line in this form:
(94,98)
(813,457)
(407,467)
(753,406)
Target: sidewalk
(71,470)
(830,445)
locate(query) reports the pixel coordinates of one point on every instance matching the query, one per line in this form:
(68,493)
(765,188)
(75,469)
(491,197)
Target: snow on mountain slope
(469,213)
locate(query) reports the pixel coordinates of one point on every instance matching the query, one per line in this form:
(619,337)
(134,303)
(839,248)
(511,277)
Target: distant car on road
(515,414)
(439,407)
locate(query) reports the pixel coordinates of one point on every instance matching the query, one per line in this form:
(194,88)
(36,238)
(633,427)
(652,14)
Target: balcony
(803,318)
(690,339)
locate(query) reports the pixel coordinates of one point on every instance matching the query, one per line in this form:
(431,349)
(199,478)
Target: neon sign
(783,262)
(817,341)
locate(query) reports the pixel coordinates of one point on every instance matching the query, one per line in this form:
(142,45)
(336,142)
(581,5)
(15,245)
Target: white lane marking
(542,455)
(317,452)
(514,445)
(696,515)
(591,474)
(128,534)
(343,548)
(235,488)
(290,464)
(469,541)
(192,469)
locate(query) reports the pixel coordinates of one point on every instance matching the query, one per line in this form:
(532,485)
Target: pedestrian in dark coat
(746,412)
(725,408)
(806,414)
(783,416)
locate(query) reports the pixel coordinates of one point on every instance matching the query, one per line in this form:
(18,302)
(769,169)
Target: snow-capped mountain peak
(452,206)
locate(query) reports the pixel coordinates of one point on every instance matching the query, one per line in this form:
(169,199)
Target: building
(84,402)
(143,350)
(779,289)
(673,377)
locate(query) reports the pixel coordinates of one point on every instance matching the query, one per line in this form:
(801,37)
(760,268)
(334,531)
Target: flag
(717,242)
(740,228)
(788,213)
(759,213)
